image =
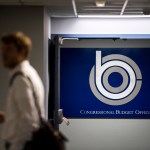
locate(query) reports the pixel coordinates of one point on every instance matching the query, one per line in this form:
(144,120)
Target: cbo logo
(105,67)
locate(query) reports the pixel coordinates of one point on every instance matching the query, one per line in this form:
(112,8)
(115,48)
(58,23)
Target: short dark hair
(20,40)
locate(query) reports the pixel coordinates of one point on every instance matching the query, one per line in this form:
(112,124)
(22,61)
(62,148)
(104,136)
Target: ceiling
(72,8)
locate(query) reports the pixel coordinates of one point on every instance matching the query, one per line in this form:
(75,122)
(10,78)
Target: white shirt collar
(19,67)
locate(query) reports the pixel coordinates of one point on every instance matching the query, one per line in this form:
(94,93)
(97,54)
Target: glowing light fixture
(100,3)
(113,16)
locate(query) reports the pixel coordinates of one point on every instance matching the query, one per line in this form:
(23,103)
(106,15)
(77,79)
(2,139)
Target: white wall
(47,35)
(34,22)
(105,134)
(101,26)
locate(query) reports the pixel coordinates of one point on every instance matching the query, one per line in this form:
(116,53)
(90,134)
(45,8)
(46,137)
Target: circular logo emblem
(105,67)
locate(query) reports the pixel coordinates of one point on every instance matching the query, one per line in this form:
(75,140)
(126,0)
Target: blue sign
(105,82)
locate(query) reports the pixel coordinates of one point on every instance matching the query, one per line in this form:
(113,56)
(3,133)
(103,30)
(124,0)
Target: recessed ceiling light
(100,3)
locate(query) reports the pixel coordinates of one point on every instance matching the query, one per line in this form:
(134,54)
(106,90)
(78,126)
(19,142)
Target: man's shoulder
(26,76)
(20,82)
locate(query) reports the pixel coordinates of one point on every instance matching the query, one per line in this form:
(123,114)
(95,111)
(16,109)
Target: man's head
(16,47)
